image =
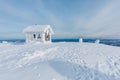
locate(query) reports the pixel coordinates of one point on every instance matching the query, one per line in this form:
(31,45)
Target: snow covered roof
(37,28)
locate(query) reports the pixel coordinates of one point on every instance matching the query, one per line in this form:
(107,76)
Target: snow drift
(59,61)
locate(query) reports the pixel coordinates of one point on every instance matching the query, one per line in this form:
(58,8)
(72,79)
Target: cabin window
(34,35)
(39,36)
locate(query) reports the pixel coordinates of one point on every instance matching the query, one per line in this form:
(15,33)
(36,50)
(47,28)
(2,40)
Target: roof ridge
(37,28)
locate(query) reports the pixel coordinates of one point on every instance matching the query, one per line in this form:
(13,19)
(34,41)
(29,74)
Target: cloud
(22,15)
(104,22)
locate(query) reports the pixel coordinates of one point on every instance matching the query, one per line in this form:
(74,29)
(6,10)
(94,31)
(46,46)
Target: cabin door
(47,36)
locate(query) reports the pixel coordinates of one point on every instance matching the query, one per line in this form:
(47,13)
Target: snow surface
(59,61)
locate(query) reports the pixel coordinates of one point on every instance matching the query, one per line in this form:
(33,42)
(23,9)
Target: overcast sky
(68,18)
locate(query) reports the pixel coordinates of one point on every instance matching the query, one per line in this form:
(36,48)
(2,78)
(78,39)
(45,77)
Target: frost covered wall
(39,37)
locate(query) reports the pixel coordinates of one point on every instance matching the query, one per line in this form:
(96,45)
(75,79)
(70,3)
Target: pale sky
(68,18)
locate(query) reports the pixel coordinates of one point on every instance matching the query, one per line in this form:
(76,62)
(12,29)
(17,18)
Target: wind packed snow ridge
(59,61)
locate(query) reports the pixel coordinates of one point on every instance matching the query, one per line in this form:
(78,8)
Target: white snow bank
(59,61)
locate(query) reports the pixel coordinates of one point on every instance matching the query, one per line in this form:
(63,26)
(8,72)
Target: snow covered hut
(38,33)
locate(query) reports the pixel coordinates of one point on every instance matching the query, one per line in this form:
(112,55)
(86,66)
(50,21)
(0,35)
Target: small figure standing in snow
(97,41)
(80,40)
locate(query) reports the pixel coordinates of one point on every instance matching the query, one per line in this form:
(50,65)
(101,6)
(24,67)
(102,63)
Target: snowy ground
(59,61)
